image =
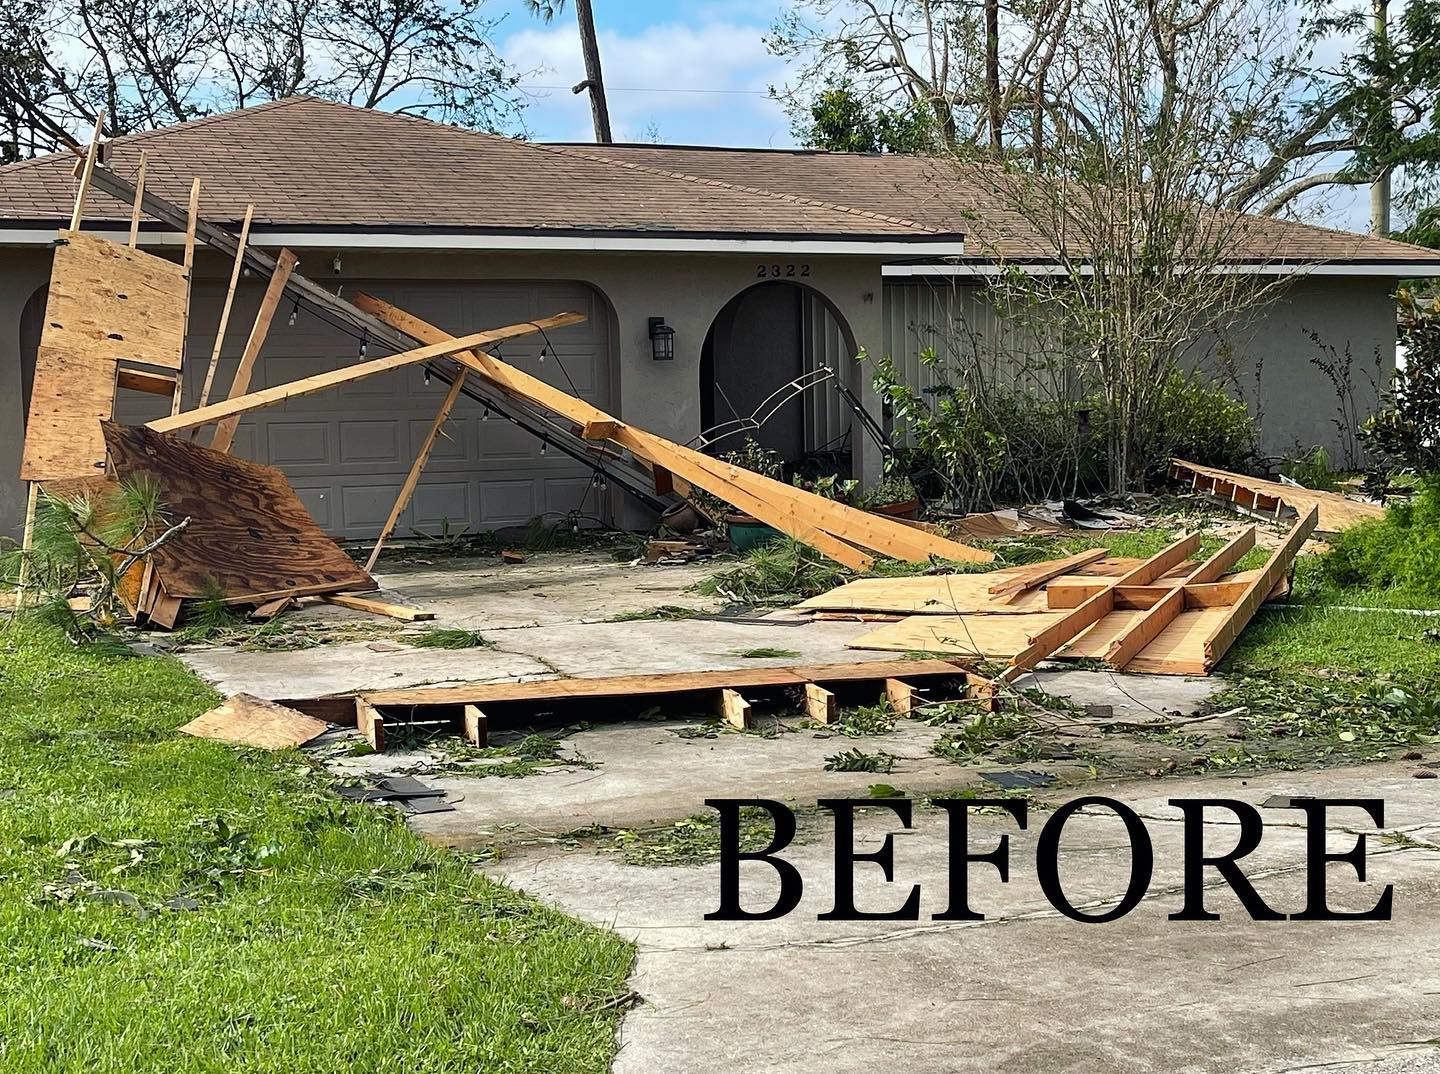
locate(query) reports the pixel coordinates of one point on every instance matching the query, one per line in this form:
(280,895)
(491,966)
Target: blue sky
(685,71)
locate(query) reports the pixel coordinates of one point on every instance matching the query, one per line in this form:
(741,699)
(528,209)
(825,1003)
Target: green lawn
(171,903)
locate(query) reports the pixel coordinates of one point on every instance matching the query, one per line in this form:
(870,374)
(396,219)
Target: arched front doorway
(764,338)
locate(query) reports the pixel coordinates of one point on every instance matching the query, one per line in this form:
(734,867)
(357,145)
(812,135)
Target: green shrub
(1406,435)
(1400,551)
(1199,421)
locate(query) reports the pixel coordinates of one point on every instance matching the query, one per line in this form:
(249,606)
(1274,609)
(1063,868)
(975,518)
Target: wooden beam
(371,724)
(1224,558)
(834,528)
(87,172)
(733,709)
(139,199)
(139,380)
(1244,609)
(902,696)
(477,726)
(189,262)
(599,430)
(1025,578)
(377,607)
(27,543)
(335,377)
(417,467)
(1142,597)
(819,703)
(1145,629)
(285,265)
(225,309)
(1162,562)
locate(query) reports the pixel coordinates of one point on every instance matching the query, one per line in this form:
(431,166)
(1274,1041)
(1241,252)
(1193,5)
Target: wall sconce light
(662,340)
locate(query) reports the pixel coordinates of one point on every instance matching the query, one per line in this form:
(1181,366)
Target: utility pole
(594,81)
(1380,186)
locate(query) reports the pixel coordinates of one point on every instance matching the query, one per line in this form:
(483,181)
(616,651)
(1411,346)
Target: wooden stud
(1145,629)
(1223,559)
(371,724)
(87,172)
(139,198)
(377,607)
(284,266)
(225,309)
(27,542)
(1276,567)
(417,467)
(819,703)
(733,708)
(319,382)
(477,726)
(664,480)
(271,608)
(902,696)
(189,262)
(139,380)
(164,609)
(599,430)
(1018,581)
(979,688)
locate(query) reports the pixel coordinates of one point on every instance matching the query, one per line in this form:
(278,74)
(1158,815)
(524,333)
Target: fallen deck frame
(1272,500)
(470,708)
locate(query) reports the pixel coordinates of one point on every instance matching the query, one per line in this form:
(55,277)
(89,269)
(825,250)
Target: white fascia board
(396,241)
(1391,269)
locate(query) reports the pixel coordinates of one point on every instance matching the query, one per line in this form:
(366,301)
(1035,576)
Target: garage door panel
(347,450)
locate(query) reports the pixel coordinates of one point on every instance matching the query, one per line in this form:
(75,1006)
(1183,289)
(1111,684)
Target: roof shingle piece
(309,163)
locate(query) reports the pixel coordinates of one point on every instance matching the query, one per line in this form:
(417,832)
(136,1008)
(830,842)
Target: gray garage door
(347,450)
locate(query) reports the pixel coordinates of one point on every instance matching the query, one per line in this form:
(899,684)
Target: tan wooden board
(991,637)
(1180,647)
(1254,495)
(683,682)
(246,720)
(249,536)
(70,396)
(942,594)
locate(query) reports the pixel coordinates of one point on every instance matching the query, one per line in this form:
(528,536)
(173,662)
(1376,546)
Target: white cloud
(664,75)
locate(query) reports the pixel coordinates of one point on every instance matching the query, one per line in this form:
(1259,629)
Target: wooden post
(733,709)
(26,543)
(901,695)
(412,479)
(225,311)
(87,170)
(139,197)
(284,266)
(371,724)
(477,726)
(189,262)
(819,703)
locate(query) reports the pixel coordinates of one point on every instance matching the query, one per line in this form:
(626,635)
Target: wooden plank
(732,707)
(1234,618)
(27,544)
(1034,574)
(178,396)
(378,607)
(1162,562)
(87,172)
(1197,595)
(284,266)
(335,377)
(819,703)
(901,696)
(226,307)
(938,594)
(138,380)
(1224,558)
(271,608)
(249,537)
(826,524)
(477,726)
(1145,629)
(246,720)
(139,198)
(1336,512)
(417,467)
(371,724)
(599,430)
(164,608)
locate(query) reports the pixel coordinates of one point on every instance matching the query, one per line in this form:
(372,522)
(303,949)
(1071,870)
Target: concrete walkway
(1028,989)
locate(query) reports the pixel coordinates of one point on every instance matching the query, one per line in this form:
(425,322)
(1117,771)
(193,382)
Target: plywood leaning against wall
(107,303)
(249,537)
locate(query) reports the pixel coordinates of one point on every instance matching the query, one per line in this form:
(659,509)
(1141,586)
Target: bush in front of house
(1400,551)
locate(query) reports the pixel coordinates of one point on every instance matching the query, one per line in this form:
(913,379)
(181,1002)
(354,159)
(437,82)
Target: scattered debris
(246,720)
(1018,780)
(1274,500)
(406,792)
(509,556)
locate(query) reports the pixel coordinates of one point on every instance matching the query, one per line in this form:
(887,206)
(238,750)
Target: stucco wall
(688,291)
(1268,358)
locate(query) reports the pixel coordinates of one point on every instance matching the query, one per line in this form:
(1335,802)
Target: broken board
(249,538)
(246,720)
(107,303)
(1273,500)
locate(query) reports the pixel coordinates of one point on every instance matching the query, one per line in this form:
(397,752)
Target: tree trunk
(992,71)
(594,81)
(1380,188)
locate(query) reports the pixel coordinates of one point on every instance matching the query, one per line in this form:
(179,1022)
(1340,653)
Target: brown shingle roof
(946,195)
(306,162)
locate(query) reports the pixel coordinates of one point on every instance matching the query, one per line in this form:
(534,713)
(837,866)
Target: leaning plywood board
(1272,499)
(106,303)
(249,538)
(245,720)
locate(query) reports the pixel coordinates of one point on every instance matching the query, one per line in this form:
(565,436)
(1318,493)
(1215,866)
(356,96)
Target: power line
(646,89)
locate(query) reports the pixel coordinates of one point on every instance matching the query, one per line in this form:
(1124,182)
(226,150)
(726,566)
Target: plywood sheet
(1180,648)
(252,721)
(940,594)
(993,637)
(106,303)
(249,535)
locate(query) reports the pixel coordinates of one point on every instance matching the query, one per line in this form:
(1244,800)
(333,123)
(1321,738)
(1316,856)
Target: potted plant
(895,496)
(745,531)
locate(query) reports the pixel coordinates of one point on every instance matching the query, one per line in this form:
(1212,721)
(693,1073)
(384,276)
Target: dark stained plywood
(249,535)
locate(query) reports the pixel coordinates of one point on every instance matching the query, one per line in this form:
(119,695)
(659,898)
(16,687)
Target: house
(764,264)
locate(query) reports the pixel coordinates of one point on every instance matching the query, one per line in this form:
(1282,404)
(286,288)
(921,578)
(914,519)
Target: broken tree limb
(284,266)
(321,381)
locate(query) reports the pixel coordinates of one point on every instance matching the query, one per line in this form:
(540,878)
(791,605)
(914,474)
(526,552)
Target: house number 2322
(777,271)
